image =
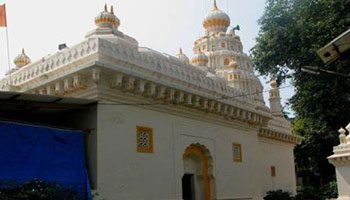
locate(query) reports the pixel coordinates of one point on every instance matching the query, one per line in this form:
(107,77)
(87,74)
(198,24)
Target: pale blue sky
(164,25)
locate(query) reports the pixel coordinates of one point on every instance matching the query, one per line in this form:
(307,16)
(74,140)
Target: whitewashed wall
(280,155)
(125,174)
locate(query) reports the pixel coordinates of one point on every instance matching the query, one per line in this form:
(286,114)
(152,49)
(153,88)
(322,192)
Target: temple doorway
(188,190)
(197,181)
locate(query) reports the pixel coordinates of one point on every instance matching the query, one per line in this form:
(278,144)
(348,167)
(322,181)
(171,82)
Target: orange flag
(3,22)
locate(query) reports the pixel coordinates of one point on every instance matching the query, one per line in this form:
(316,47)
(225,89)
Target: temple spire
(106,10)
(181,53)
(112,10)
(215,5)
(275,99)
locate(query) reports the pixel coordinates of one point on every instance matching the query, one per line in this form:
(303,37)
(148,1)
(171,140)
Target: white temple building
(170,127)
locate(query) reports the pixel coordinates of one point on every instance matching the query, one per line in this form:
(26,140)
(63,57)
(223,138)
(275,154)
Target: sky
(39,26)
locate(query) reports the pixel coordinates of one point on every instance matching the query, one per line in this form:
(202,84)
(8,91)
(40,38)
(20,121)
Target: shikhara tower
(220,51)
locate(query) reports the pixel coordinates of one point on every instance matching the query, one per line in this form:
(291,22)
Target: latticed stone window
(144,141)
(237,152)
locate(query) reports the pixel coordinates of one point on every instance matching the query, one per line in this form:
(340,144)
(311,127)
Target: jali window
(144,141)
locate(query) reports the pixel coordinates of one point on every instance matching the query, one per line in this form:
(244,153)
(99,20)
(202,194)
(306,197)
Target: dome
(200,59)
(233,64)
(182,57)
(22,60)
(216,20)
(107,19)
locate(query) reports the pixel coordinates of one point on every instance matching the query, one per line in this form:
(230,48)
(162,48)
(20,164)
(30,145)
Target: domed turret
(22,60)
(107,19)
(275,99)
(200,59)
(182,57)
(216,20)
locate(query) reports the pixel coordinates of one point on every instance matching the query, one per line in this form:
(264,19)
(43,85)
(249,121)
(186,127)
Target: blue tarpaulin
(40,153)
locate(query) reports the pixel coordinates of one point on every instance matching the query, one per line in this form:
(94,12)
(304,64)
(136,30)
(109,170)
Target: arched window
(223,45)
(226,61)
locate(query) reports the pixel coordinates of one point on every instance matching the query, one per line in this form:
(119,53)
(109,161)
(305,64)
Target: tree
(291,32)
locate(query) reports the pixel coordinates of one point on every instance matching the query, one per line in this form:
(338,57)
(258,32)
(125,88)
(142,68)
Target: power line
(168,103)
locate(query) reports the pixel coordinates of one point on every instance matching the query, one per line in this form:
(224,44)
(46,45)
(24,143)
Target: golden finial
(112,10)
(181,53)
(215,5)
(106,10)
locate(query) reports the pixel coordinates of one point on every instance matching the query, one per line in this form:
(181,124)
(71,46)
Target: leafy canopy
(291,32)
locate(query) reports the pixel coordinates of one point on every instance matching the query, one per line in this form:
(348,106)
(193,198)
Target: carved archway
(202,153)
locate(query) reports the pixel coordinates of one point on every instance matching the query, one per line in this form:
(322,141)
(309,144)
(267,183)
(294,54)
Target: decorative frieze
(196,101)
(179,97)
(188,99)
(130,83)
(170,94)
(141,72)
(33,71)
(50,90)
(160,93)
(96,75)
(59,88)
(79,82)
(150,89)
(283,137)
(68,85)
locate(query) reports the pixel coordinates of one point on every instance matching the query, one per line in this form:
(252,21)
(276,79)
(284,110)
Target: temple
(170,127)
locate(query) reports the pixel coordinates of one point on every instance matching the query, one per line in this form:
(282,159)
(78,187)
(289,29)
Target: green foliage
(317,193)
(36,190)
(308,193)
(277,195)
(291,33)
(330,190)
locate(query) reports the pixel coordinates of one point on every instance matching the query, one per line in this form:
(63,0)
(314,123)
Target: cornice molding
(339,160)
(283,137)
(341,156)
(99,62)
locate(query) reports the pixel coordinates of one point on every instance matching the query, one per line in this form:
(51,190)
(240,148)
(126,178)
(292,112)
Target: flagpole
(4,23)
(8,53)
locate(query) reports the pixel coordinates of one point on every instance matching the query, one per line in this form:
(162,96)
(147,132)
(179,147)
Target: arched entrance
(197,181)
